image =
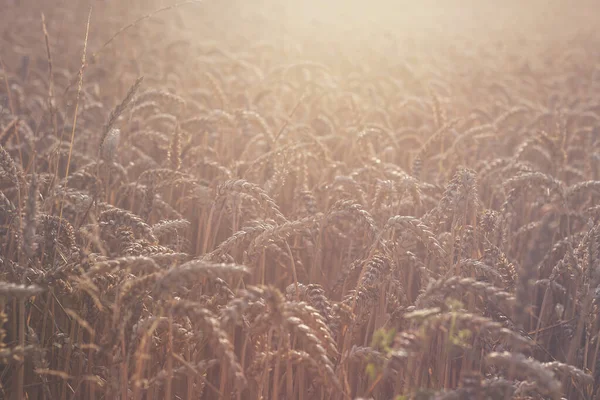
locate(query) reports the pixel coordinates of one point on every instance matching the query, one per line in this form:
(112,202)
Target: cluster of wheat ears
(182,220)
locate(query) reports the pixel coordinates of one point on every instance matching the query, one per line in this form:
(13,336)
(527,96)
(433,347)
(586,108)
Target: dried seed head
(108,149)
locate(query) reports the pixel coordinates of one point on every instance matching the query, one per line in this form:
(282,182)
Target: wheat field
(299,200)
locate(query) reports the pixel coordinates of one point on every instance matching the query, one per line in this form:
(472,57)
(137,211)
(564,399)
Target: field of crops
(299,200)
